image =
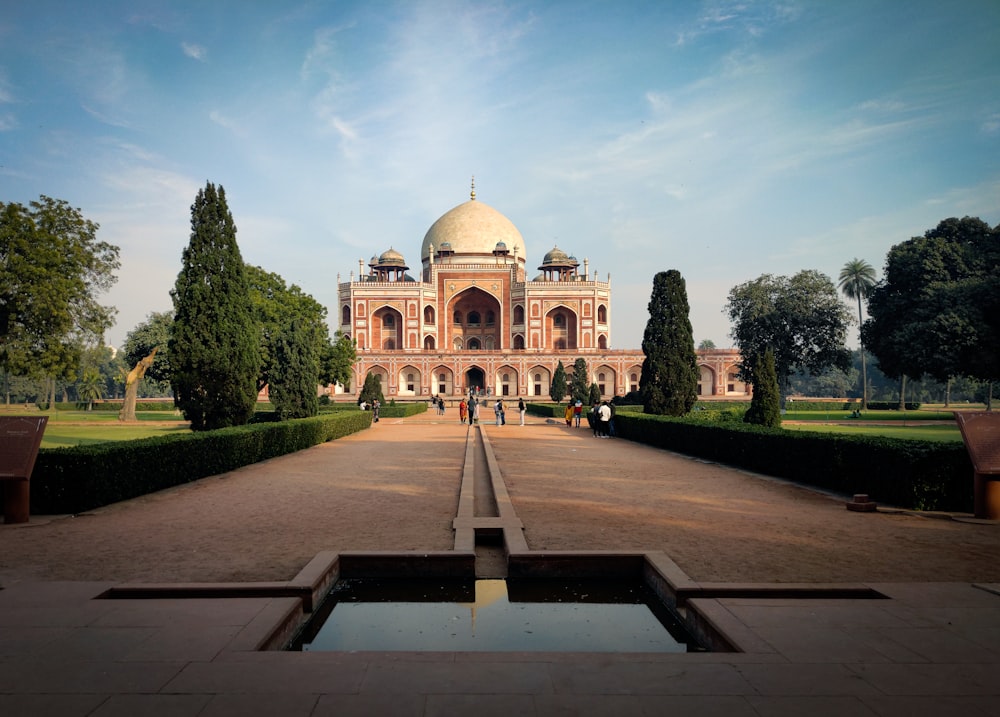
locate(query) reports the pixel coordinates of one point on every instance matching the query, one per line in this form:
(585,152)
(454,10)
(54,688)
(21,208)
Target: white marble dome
(473,228)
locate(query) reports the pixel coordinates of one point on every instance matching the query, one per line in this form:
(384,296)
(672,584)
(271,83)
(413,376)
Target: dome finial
(472,194)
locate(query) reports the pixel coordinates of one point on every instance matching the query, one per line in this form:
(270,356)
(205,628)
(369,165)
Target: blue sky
(722,139)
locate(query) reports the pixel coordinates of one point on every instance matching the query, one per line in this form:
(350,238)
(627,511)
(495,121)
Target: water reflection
(494,615)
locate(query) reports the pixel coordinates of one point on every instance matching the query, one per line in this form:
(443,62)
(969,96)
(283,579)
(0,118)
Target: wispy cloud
(195,52)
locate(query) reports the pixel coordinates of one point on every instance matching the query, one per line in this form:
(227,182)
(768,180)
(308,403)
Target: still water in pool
(495,616)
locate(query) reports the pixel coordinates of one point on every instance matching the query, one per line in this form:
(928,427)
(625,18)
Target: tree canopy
(52,270)
(293,381)
(937,309)
(765,404)
(801,319)
(579,388)
(215,345)
(558,389)
(275,306)
(669,380)
(153,333)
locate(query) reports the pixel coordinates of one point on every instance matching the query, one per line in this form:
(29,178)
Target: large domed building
(473,321)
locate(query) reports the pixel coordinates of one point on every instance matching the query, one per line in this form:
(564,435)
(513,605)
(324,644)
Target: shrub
(74,480)
(921,475)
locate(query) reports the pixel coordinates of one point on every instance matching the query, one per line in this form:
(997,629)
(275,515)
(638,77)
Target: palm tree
(91,387)
(856,281)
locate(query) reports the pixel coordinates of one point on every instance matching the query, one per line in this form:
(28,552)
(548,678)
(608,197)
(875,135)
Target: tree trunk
(127,414)
(864,367)
(947,392)
(902,393)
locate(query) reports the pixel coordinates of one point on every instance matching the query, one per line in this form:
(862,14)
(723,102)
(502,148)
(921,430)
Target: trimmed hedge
(401,410)
(81,478)
(794,404)
(922,475)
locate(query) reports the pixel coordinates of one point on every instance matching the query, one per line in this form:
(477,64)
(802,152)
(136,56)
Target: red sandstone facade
(474,320)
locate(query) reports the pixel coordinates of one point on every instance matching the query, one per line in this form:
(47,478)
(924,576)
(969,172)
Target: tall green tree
(856,281)
(275,307)
(765,404)
(801,319)
(669,380)
(558,389)
(337,361)
(580,382)
(594,395)
(52,271)
(215,345)
(937,309)
(293,383)
(371,390)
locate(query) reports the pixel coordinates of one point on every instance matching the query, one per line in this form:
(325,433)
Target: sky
(725,140)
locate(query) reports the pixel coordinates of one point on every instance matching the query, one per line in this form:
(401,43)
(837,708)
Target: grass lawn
(77,428)
(921,415)
(917,433)
(60,435)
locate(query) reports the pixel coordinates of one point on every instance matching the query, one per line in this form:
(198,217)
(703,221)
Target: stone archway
(475,378)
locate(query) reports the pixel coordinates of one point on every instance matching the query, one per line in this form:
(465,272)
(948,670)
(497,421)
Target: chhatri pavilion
(470,318)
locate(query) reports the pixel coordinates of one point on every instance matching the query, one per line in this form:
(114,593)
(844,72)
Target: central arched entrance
(475,379)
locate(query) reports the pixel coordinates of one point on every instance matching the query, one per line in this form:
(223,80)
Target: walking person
(463,410)
(577,412)
(604,418)
(521,409)
(568,414)
(498,411)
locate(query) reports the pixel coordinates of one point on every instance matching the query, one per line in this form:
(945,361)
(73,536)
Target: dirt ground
(395,487)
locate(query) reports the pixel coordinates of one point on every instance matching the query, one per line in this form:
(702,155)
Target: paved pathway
(930,648)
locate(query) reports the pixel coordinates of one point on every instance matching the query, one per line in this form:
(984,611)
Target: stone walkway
(926,647)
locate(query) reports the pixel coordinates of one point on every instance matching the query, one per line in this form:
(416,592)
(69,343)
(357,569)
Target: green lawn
(76,428)
(60,435)
(913,432)
(869,416)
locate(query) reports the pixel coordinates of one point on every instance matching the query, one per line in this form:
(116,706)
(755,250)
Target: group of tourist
(375,406)
(470,410)
(601,419)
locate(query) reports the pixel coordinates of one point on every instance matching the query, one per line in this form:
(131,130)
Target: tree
(801,319)
(293,380)
(371,390)
(153,333)
(52,269)
(91,387)
(937,309)
(669,379)
(275,306)
(215,344)
(856,281)
(557,391)
(765,404)
(594,396)
(337,361)
(706,345)
(580,383)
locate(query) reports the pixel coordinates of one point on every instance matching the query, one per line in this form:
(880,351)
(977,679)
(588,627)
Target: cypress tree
(765,405)
(669,380)
(579,386)
(371,390)
(594,396)
(294,373)
(215,347)
(557,392)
